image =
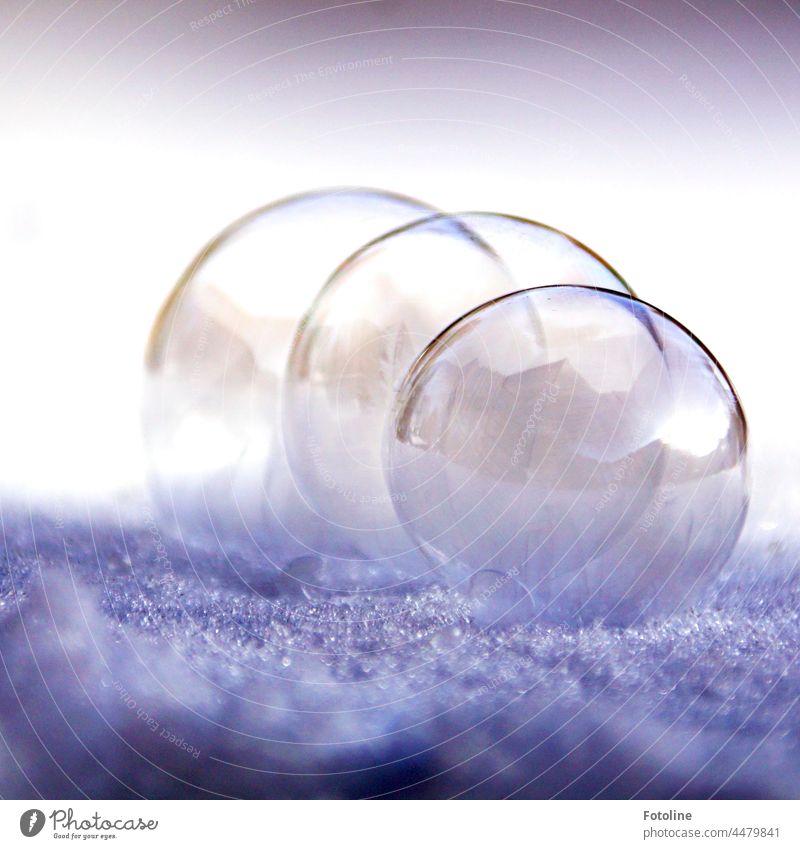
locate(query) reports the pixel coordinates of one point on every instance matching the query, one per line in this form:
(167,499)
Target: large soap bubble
(578,439)
(218,350)
(367,326)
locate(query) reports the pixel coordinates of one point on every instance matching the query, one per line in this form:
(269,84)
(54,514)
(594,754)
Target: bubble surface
(580,437)
(217,353)
(367,326)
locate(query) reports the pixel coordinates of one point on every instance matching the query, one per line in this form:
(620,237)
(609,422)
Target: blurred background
(661,133)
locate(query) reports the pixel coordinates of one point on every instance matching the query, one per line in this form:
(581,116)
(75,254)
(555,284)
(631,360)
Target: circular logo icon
(31,822)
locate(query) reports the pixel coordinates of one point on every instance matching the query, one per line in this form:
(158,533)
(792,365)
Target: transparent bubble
(367,326)
(579,438)
(320,578)
(498,599)
(218,351)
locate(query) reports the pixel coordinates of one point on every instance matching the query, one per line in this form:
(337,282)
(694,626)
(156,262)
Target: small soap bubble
(307,573)
(499,599)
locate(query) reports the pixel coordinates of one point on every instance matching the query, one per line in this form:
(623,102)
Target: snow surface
(134,666)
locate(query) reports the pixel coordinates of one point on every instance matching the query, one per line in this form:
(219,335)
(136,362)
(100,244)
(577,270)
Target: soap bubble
(218,350)
(367,326)
(579,437)
(499,599)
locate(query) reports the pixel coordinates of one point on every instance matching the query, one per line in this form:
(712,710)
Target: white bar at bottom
(405,825)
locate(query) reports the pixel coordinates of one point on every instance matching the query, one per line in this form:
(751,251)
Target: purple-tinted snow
(133,670)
